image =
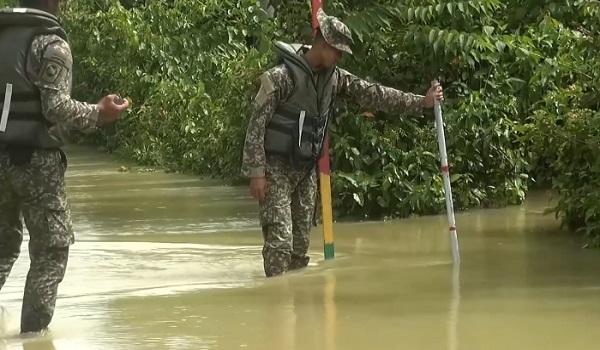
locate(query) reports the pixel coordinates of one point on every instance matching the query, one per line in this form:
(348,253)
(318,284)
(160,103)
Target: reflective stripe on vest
(5,107)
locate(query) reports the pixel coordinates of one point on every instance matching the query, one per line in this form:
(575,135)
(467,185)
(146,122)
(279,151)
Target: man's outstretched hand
(111,107)
(435,92)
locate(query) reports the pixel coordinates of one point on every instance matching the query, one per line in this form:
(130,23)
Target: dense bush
(562,130)
(521,79)
(570,140)
(186,66)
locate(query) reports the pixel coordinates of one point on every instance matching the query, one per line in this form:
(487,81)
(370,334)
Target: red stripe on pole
(316,5)
(324,166)
(452,228)
(445,168)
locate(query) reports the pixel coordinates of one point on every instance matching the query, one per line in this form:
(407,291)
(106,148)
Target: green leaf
(431,36)
(488,30)
(358,198)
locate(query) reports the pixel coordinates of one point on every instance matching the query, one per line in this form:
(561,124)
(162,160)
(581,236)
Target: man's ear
(323,45)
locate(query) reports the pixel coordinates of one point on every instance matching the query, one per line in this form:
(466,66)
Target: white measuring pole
(446,175)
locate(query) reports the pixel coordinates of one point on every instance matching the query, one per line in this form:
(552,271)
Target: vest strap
(292,115)
(25,97)
(27,116)
(287,129)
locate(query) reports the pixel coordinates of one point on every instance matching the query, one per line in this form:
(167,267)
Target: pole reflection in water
(39,344)
(330,312)
(28,342)
(4,319)
(286,337)
(454,308)
(314,312)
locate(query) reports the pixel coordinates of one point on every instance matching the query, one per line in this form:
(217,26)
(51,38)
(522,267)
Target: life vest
(22,122)
(298,126)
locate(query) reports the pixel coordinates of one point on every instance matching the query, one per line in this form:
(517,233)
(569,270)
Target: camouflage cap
(335,32)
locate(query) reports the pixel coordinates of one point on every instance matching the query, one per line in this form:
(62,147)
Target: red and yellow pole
(329,251)
(324,170)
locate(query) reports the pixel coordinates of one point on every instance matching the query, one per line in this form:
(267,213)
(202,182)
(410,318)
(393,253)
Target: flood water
(166,261)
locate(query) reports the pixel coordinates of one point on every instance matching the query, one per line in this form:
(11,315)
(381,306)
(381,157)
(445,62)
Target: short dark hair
(31,3)
(319,34)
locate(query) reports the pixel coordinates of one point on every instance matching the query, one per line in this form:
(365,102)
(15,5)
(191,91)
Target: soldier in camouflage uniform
(35,107)
(286,130)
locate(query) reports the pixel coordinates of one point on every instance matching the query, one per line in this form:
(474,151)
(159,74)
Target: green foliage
(488,165)
(190,79)
(9,3)
(521,81)
(504,66)
(566,137)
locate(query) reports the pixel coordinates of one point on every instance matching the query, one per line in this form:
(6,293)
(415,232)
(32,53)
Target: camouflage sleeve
(50,68)
(377,96)
(275,86)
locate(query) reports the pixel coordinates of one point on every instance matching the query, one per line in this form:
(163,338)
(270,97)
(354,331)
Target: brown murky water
(165,261)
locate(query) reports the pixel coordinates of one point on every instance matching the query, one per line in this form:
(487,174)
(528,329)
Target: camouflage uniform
(33,185)
(285,215)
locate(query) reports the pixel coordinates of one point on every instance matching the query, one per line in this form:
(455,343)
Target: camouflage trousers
(286,215)
(36,191)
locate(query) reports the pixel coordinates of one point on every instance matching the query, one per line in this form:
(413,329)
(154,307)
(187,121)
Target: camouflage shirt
(50,68)
(350,88)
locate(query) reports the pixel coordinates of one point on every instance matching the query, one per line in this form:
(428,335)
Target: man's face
(329,55)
